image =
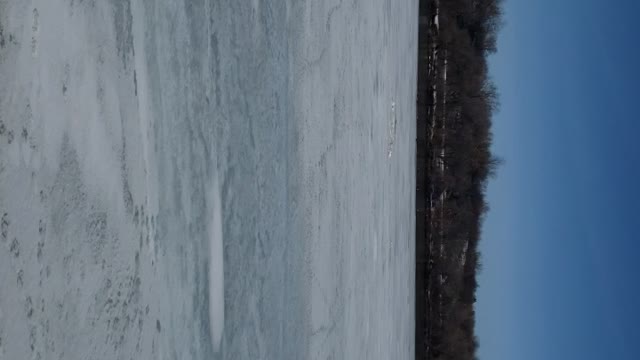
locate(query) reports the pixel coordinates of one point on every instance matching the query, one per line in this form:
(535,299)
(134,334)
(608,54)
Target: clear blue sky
(561,244)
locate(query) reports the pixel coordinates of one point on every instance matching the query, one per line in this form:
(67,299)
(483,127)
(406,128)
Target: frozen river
(207,179)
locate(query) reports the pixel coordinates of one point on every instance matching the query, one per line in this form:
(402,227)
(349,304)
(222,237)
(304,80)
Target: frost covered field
(204,179)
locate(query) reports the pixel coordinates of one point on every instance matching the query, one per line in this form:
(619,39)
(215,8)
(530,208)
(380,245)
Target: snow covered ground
(207,179)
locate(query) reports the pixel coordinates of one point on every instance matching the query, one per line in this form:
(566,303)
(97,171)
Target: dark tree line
(456,101)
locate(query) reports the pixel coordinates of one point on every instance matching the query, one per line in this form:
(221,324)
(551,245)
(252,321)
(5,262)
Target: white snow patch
(393,121)
(463,257)
(216,267)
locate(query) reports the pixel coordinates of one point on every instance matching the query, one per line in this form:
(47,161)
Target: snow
(393,121)
(436,17)
(203,180)
(463,256)
(216,267)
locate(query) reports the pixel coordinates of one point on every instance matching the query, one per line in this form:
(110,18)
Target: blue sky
(562,237)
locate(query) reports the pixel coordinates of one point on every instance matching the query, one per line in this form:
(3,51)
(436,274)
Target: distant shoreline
(455,103)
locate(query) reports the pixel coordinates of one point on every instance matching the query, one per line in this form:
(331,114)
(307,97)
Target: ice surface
(207,179)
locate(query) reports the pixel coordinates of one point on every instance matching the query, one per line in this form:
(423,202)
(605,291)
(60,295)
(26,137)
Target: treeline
(456,100)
